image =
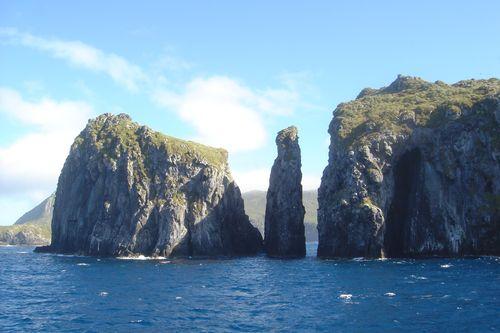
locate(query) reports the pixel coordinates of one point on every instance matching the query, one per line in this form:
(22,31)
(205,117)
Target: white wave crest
(141,257)
(345,296)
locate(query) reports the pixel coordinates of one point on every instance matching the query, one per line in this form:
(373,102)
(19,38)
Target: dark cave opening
(404,205)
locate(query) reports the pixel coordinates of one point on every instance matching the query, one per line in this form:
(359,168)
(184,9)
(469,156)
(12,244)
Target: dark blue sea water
(50,293)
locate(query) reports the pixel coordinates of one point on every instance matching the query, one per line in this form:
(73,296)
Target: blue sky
(226,73)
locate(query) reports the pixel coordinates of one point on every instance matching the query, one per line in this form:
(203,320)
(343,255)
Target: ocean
(55,293)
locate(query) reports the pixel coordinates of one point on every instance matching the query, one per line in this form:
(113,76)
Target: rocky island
(284,219)
(414,170)
(127,190)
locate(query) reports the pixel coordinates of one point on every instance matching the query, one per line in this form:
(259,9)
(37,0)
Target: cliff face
(284,219)
(128,190)
(414,170)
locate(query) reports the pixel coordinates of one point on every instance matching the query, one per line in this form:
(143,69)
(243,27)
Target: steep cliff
(414,170)
(127,190)
(284,219)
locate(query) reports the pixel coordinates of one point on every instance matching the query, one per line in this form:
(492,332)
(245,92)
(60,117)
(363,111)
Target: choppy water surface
(43,292)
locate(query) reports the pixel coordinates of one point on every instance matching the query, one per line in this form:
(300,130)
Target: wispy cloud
(83,55)
(31,164)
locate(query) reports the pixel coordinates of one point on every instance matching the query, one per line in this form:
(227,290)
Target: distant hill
(41,214)
(255,207)
(33,228)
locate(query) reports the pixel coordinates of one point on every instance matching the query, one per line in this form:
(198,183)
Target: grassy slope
(116,134)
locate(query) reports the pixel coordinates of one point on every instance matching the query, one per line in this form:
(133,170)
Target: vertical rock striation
(128,190)
(414,170)
(284,220)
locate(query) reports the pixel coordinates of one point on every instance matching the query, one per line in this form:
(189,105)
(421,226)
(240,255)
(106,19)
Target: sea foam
(141,257)
(345,296)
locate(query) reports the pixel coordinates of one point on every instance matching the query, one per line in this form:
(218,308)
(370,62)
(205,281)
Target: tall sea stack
(128,190)
(414,170)
(284,220)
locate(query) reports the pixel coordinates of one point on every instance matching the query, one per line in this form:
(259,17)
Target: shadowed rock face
(284,220)
(414,170)
(127,190)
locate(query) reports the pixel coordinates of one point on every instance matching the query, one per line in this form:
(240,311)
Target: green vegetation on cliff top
(112,132)
(407,103)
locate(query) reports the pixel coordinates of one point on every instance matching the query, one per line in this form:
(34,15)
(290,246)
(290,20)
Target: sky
(225,73)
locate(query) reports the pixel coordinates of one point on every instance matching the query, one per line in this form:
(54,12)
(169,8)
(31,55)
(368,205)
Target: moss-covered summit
(116,134)
(289,132)
(410,102)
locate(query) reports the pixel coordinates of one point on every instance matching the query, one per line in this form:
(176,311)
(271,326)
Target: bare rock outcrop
(284,219)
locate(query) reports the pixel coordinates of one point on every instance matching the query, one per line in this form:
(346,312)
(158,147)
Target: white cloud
(226,113)
(31,164)
(83,55)
(258,179)
(223,112)
(310,182)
